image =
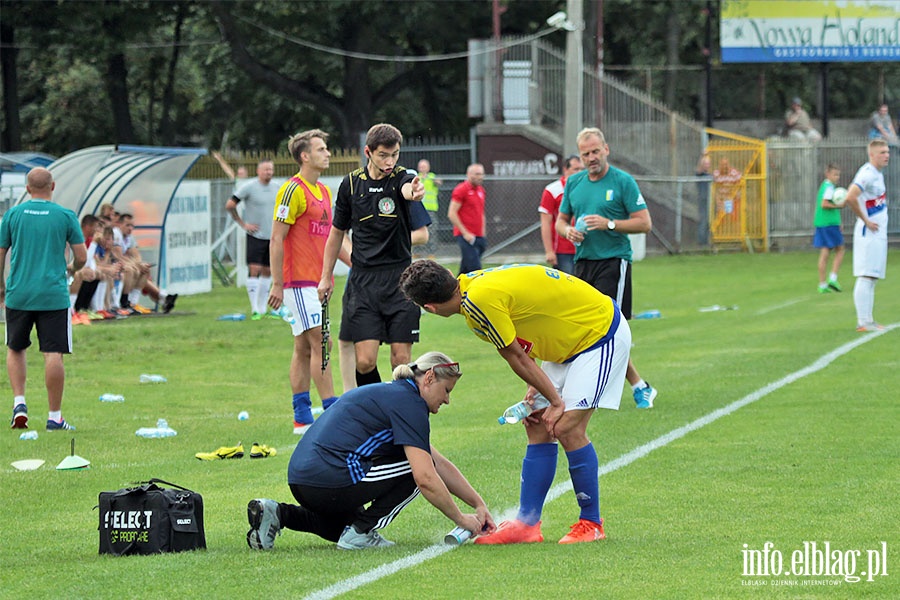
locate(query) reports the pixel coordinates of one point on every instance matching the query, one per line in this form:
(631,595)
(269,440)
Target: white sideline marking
(347,585)
(780,306)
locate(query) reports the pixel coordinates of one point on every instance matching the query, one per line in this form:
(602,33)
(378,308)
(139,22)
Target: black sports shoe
(169,304)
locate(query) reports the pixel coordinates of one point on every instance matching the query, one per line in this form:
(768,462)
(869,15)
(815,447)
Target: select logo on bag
(127,519)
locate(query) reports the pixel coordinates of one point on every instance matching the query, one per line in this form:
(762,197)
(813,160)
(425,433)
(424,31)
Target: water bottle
(649,314)
(285,313)
(112,398)
(580,225)
(520,410)
(29,435)
(161,430)
(145,378)
(232,317)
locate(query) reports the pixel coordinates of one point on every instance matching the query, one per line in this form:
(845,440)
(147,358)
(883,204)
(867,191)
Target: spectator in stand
(432,183)
(558,251)
(882,126)
(258,197)
(467,215)
(108,215)
(85,280)
(704,170)
(137,273)
(797,124)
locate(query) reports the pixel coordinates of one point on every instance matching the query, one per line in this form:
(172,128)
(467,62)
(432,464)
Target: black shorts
(54,329)
(375,308)
(257,251)
(612,276)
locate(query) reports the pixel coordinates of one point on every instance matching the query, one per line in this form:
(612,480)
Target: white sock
(864,299)
(114,301)
(832,277)
(641,384)
(17,400)
(98,301)
(262,296)
(134,296)
(72,298)
(55,415)
(252,292)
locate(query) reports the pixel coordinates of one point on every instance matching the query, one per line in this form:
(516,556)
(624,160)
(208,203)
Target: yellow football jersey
(552,315)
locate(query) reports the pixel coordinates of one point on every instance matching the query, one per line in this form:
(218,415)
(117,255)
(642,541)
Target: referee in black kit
(372,201)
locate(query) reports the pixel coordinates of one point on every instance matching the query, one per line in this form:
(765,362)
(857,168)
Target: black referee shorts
(257,251)
(612,276)
(375,309)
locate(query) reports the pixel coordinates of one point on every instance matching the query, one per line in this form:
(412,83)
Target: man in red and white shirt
(559,252)
(467,215)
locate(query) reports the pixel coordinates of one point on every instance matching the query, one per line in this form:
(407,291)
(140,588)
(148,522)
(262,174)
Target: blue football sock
(302,408)
(583,467)
(328,402)
(538,470)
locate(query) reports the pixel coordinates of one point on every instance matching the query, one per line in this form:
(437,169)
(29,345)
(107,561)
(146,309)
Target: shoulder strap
(155,480)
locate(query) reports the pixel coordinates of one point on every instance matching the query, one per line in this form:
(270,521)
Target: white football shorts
(870,249)
(306,308)
(595,378)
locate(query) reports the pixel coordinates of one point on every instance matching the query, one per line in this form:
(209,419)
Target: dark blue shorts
(828,237)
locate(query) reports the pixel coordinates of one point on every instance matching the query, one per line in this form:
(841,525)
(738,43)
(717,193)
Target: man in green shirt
(601,205)
(35,233)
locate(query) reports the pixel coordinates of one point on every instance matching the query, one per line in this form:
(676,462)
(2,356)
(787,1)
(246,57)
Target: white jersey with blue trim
(873,193)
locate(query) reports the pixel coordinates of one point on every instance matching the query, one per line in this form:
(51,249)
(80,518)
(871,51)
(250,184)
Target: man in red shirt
(559,252)
(467,215)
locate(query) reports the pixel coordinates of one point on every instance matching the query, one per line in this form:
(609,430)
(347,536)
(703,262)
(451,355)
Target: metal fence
(795,172)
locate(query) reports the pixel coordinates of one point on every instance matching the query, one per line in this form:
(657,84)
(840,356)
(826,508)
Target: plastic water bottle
(580,225)
(29,435)
(232,317)
(649,314)
(145,378)
(285,313)
(112,398)
(520,410)
(162,430)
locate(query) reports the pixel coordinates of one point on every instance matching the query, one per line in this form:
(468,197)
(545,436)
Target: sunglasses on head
(454,367)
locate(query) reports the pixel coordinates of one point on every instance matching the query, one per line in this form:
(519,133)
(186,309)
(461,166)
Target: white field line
(558,490)
(780,306)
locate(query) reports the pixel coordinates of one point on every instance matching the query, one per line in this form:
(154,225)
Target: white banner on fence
(186,268)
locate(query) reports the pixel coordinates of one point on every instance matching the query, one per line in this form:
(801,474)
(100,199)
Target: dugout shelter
(143,181)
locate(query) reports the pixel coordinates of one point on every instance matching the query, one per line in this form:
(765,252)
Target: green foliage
(813,460)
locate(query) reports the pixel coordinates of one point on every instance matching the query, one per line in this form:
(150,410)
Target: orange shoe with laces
(513,532)
(584,531)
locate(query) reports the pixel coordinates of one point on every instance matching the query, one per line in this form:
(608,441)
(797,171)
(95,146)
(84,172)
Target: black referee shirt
(378,215)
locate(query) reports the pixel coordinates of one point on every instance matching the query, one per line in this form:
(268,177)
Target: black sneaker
(169,304)
(20,417)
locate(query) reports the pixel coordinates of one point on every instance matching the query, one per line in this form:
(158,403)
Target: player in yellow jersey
(533,312)
(301,224)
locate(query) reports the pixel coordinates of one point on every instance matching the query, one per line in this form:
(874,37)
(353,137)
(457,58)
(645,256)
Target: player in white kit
(867,198)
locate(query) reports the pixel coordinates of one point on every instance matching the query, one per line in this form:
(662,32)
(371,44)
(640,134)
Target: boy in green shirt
(828,234)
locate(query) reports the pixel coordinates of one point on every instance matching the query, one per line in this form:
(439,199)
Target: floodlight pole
(573,119)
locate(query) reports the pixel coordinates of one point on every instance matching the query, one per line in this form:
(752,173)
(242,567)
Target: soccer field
(773,448)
